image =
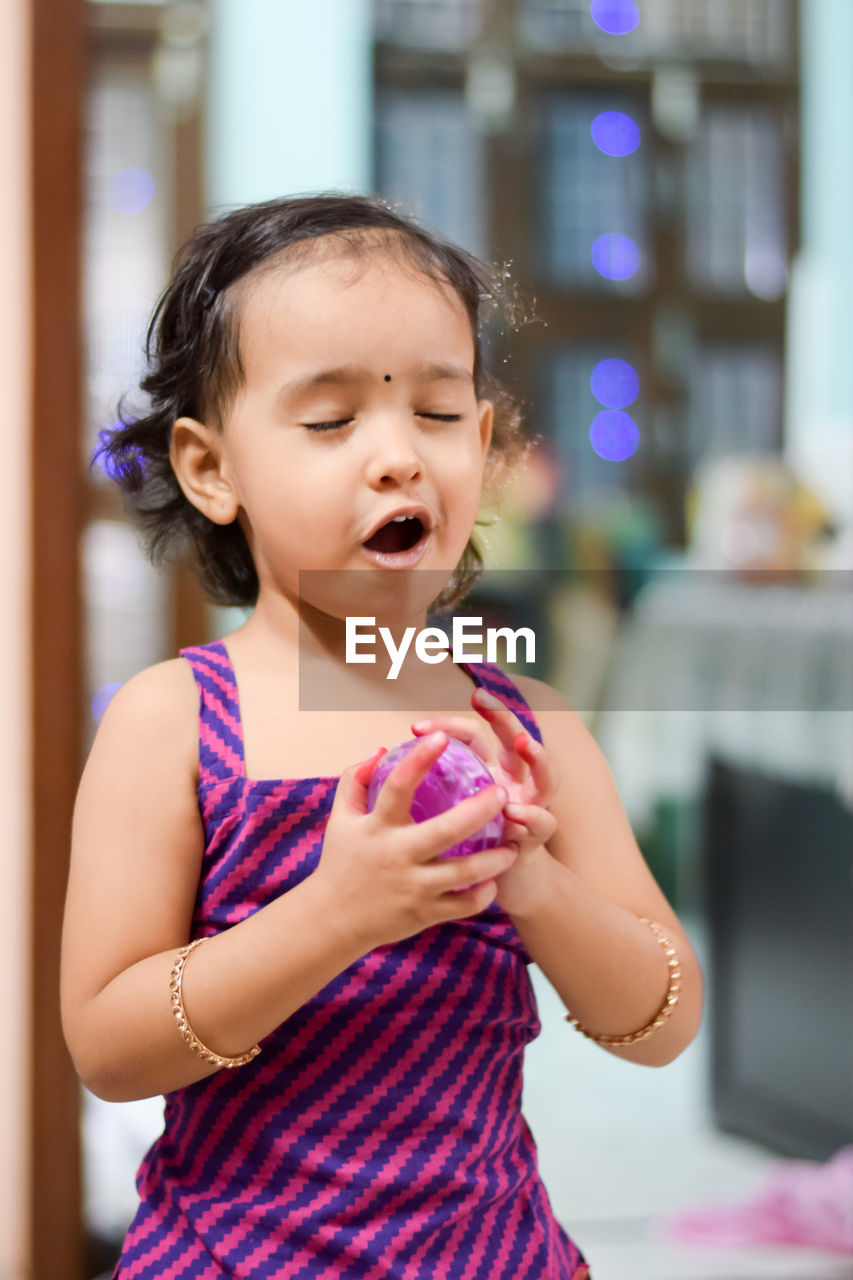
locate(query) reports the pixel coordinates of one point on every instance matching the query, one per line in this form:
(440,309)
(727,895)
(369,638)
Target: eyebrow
(358,373)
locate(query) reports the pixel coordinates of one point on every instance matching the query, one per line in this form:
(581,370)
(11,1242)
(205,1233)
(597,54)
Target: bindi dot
(387,377)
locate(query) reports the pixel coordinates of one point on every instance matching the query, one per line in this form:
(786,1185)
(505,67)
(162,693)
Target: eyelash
(331,426)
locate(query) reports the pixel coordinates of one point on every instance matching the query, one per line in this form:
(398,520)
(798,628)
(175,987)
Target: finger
(532,820)
(394,801)
(469,900)
(514,832)
(536,758)
(458,874)
(434,835)
(351,791)
(364,771)
(467,731)
(506,726)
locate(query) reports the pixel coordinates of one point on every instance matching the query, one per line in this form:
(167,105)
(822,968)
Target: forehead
(342,304)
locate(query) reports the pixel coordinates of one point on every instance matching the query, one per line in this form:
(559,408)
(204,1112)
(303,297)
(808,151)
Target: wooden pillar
(15,347)
(57,79)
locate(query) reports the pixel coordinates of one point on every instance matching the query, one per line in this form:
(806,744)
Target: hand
(519,764)
(383,873)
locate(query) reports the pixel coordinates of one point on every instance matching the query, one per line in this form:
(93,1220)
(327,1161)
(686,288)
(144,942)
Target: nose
(393,457)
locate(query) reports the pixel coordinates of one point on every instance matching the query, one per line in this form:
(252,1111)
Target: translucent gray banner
(645,640)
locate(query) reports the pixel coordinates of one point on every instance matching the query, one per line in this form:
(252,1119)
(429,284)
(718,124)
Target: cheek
(462,457)
(467,492)
(467,468)
(291,489)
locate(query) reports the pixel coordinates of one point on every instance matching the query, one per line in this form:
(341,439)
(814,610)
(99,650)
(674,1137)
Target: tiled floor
(621,1146)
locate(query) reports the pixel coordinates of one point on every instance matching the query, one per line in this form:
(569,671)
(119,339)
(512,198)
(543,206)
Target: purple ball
(458,772)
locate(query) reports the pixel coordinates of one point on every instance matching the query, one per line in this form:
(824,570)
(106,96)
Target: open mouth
(400,534)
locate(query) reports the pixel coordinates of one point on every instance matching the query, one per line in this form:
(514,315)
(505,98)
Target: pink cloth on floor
(801,1203)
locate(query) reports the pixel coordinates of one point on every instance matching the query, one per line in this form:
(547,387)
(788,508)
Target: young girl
(336,1013)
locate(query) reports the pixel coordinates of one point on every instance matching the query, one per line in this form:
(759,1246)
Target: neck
(324,648)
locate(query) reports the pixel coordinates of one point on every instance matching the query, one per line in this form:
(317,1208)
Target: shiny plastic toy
(457,773)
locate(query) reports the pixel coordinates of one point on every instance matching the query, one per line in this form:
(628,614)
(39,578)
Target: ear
(486,412)
(196,455)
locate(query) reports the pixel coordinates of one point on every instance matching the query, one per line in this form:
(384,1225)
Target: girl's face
(357,441)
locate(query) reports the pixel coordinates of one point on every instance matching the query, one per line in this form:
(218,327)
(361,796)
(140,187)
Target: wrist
(338,923)
(535,877)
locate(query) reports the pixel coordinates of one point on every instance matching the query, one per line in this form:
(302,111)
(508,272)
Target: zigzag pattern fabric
(379,1135)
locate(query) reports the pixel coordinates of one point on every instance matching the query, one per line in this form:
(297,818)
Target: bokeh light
(130,190)
(615,133)
(614,383)
(616,17)
(614,435)
(615,256)
(102,699)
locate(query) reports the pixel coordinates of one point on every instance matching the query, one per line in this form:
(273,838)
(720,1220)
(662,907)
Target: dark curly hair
(195,366)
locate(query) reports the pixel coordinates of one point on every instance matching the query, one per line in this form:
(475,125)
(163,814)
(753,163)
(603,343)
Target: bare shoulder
(157,707)
(137,839)
(560,724)
(167,689)
(541,696)
(143,765)
(563,728)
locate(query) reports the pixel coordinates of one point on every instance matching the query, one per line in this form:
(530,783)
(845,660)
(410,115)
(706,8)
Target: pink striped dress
(379,1135)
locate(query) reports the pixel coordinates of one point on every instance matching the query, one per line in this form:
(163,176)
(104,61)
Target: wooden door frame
(61,34)
(56,115)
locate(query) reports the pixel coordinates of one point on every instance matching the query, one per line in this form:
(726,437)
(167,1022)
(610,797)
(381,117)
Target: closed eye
(343,422)
(326,426)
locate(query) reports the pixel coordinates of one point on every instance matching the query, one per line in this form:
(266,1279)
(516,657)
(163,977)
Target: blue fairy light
(130,190)
(615,256)
(616,17)
(614,435)
(614,383)
(615,133)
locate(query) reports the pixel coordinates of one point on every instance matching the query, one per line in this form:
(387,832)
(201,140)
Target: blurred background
(670,183)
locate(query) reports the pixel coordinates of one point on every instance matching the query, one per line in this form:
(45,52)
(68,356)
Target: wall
(289,101)
(819,429)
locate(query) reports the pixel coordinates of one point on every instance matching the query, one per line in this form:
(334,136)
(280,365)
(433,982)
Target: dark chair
(779,868)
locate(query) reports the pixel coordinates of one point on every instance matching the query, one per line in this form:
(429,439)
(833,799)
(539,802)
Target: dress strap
(497,682)
(220,733)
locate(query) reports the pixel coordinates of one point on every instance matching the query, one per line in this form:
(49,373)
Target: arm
(578,890)
(137,846)
(581,922)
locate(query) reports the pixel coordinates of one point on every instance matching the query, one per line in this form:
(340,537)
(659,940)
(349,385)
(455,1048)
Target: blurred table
(757,674)
(733,704)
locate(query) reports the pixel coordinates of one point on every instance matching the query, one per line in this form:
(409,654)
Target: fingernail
(504,794)
(422,725)
(513,810)
(434,738)
(487,699)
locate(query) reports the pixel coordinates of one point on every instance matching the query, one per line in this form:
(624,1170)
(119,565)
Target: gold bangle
(670,1000)
(187,1033)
